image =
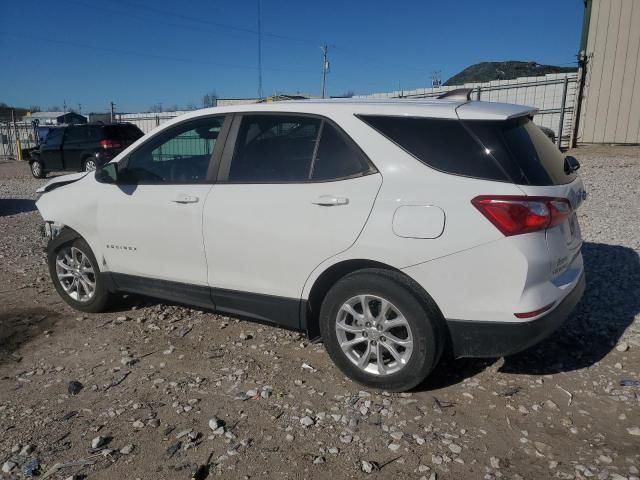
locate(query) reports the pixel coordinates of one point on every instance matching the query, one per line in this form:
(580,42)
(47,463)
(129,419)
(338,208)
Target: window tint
(180,155)
(123,132)
(76,134)
(440,143)
(336,158)
(54,136)
(524,151)
(274,148)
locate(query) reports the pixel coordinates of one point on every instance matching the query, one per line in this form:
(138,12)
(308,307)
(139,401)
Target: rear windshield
(508,151)
(123,132)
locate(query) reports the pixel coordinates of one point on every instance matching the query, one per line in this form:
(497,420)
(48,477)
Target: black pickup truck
(80,148)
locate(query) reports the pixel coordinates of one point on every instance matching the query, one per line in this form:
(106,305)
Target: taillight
(107,144)
(514,215)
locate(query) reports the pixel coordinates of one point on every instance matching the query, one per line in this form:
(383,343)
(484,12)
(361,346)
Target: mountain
(487,71)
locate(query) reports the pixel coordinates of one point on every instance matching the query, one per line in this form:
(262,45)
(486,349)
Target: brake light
(107,144)
(514,215)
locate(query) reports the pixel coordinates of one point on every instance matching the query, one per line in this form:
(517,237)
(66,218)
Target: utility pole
(113,105)
(80,108)
(259,48)
(64,110)
(325,68)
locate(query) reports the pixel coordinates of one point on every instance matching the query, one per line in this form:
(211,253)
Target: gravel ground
(169,392)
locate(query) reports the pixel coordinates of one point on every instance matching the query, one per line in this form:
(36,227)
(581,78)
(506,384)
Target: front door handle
(330,201)
(183,198)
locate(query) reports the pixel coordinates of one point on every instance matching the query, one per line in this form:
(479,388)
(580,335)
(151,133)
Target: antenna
(436,79)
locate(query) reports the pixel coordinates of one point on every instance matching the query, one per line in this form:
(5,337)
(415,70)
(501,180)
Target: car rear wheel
(76,276)
(89,165)
(37,169)
(380,330)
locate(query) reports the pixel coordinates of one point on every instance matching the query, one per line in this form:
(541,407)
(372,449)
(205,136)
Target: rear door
(292,191)
(75,142)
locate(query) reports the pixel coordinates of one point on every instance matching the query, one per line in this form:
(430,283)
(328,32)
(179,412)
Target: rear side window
(513,150)
(274,148)
(76,134)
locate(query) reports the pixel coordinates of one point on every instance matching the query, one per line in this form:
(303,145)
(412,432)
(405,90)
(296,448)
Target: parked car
(80,147)
(389,229)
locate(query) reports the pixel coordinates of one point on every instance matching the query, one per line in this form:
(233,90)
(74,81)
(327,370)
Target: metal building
(610,72)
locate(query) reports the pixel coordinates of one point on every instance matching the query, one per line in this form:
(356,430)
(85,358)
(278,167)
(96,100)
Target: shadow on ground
(13,206)
(609,305)
(17,327)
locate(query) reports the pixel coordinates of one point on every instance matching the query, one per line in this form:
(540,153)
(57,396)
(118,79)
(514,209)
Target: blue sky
(141,52)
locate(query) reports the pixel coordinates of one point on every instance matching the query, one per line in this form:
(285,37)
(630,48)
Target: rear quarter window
(443,144)
(512,150)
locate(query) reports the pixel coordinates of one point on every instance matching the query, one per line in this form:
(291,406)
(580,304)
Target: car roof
(434,108)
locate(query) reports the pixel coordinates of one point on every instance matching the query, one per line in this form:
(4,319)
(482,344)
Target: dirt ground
(154,375)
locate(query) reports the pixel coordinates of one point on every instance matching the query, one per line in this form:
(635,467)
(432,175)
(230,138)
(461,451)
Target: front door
(292,192)
(51,150)
(151,220)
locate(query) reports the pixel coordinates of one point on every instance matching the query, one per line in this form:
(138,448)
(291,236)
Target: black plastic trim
(281,311)
(499,339)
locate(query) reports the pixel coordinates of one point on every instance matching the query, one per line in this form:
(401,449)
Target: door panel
(268,238)
(51,150)
(150,231)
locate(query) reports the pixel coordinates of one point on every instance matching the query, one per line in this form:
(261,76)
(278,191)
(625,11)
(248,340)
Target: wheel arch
(332,274)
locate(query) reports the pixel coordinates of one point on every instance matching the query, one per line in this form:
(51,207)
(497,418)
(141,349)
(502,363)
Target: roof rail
(463,94)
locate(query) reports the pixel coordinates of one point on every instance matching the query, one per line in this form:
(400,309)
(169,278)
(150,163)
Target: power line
(144,54)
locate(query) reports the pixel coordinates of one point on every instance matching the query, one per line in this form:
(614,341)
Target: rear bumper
(499,339)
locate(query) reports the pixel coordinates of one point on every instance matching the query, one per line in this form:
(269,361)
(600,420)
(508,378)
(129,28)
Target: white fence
(149,120)
(553,94)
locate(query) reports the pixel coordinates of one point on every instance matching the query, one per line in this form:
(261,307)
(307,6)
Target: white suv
(393,230)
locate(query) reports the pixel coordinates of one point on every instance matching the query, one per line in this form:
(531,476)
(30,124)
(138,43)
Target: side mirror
(107,173)
(571,164)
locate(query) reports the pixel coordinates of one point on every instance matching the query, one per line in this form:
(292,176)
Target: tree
(210,99)
(55,108)
(34,108)
(156,108)
(173,108)
(191,106)
(347,94)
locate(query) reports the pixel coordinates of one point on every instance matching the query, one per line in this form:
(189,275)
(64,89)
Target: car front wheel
(381,330)
(76,276)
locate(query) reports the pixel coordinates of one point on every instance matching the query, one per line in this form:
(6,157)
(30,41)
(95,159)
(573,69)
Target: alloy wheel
(89,166)
(374,335)
(76,273)
(36,169)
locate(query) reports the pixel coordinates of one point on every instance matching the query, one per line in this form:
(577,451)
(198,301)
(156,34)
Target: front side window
(293,148)
(179,155)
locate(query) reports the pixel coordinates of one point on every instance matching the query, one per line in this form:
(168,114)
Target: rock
(367,467)
(319,460)
(26,450)
(455,448)
(214,423)
(252,393)
(307,421)
(127,449)
(154,422)
(289,437)
(183,433)
(99,441)
(394,447)
(346,438)
(126,361)
(138,424)
(622,347)
(333,450)
(8,466)
(74,387)
(495,462)
(634,431)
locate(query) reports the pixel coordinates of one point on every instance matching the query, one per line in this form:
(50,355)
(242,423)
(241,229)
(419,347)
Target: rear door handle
(183,198)
(330,201)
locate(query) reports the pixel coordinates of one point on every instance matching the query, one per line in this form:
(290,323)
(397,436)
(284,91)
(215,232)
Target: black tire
(419,310)
(101,296)
(86,160)
(37,168)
